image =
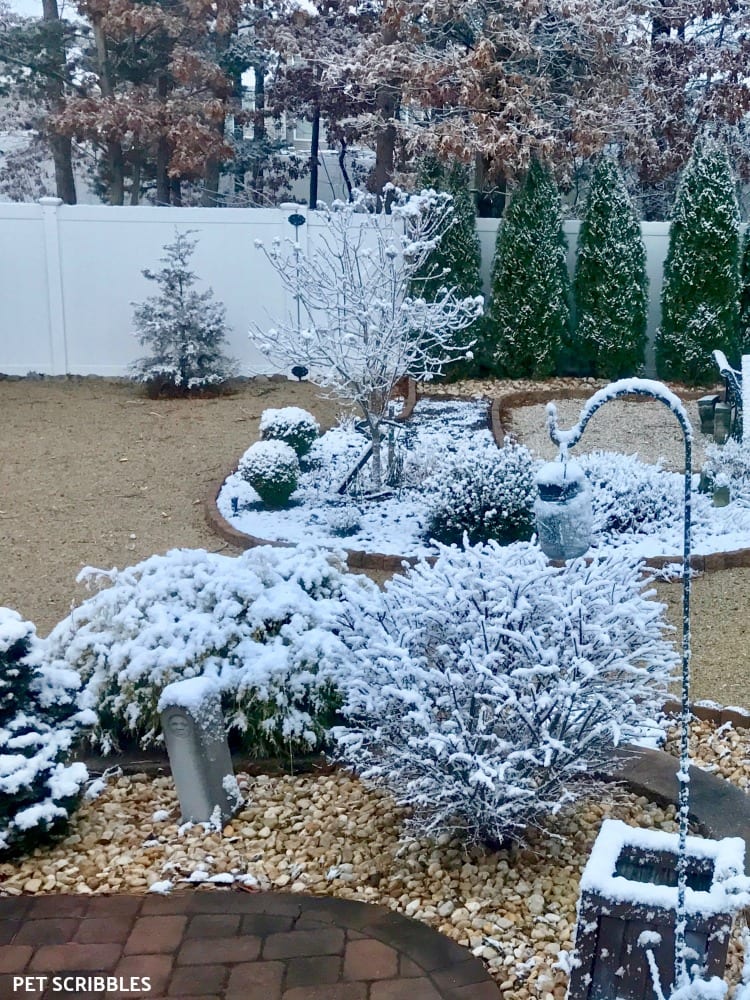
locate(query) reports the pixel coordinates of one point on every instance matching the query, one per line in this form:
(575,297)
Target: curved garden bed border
(500,418)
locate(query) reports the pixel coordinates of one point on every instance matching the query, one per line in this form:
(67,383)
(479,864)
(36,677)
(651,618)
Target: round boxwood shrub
(272,469)
(292,425)
(39,788)
(486,496)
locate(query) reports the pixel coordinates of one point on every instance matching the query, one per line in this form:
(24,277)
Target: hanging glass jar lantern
(563,510)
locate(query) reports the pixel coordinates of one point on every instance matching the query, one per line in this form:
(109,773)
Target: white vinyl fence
(70,274)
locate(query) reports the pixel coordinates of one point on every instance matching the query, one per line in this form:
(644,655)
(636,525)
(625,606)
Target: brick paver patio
(227,945)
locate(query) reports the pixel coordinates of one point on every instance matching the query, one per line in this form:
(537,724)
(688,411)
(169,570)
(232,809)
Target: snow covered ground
(637,505)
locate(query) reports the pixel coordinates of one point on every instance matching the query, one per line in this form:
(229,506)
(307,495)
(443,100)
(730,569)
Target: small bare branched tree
(355,326)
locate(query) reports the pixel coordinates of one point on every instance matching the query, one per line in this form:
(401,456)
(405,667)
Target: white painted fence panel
(71,273)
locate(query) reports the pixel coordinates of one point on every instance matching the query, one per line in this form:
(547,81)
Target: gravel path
(95,474)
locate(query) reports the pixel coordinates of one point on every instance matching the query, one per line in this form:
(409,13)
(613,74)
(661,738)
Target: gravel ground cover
(94,473)
(329,834)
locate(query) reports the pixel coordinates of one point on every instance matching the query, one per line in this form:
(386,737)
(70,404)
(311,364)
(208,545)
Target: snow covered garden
(467,711)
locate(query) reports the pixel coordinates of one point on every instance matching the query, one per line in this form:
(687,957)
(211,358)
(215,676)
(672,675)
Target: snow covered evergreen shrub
(458,254)
(528,319)
(731,460)
(745,297)
(486,496)
(484,689)
(611,286)
(292,425)
(628,495)
(39,788)
(700,299)
(259,623)
(184,329)
(272,469)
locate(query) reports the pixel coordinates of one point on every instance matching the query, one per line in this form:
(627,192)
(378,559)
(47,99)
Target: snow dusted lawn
(645,498)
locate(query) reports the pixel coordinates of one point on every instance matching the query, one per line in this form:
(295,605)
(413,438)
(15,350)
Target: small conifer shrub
(185,330)
(292,425)
(700,299)
(528,319)
(611,285)
(485,497)
(272,469)
(39,788)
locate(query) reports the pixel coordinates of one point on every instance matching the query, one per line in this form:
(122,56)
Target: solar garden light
(563,512)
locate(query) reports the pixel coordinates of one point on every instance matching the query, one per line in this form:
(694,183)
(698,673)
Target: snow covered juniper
(38,787)
(528,319)
(481,690)
(358,328)
(611,286)
(185,329)
(700,300)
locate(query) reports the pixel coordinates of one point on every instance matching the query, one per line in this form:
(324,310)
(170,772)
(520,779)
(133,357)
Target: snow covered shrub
(184,329)
(487,496)
(745,299)
(484,689)
(292,425)
(732,461)
(700,298)
(528,319)
(611,286)
(272,469)
(628,495)
(259,623)
(38,787)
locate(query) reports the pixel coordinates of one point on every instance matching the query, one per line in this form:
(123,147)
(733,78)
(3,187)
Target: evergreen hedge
(610,285)
(700,299)
(528,320)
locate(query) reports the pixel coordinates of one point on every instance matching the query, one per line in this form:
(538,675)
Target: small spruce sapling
(700,299)
(184,329)
(611,286)
(38,787)
(528,319)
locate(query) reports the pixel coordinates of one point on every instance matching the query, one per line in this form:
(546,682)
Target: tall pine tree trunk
(115,158)
(60,145)
(259,131)
(314,153)
(162,149)
(387,97)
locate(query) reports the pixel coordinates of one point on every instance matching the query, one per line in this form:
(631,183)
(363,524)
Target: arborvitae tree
(458,254)
(611,285)
(185,329)
(745,297)
(38,788)
(529,316)
(700,300)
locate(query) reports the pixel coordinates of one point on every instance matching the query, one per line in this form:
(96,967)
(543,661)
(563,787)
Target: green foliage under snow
(259,623)
(39,788)
(528,319)
(488,496)
(700,299)
(611,286)
(272,469)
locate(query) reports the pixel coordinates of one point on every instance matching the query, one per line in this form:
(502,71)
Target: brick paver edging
(229,945)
